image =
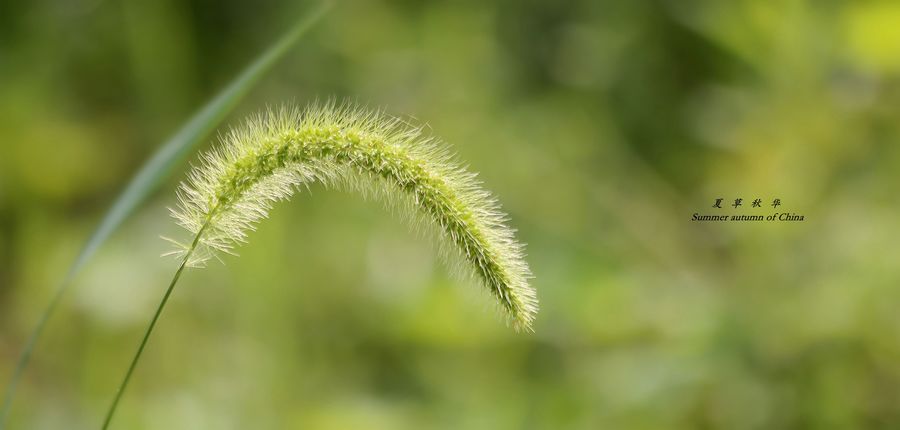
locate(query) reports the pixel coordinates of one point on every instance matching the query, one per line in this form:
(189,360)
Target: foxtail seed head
(273,153)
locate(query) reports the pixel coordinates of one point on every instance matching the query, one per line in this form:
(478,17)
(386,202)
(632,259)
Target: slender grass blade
(158,168)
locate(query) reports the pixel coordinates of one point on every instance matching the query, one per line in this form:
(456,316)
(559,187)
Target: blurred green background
(601,125)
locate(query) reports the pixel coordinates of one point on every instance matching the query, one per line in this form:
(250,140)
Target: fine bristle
(268,157)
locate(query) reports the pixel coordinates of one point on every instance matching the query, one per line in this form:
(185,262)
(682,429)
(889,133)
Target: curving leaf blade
(159,167)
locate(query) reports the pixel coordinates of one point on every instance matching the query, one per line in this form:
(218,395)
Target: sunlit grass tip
(343,145)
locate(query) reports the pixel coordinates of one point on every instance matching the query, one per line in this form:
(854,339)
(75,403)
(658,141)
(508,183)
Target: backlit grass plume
(266,159)
(276,152)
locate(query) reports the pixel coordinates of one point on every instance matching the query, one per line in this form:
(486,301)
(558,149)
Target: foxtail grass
(276,153)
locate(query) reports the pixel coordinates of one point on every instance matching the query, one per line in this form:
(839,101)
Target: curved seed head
(275,152)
